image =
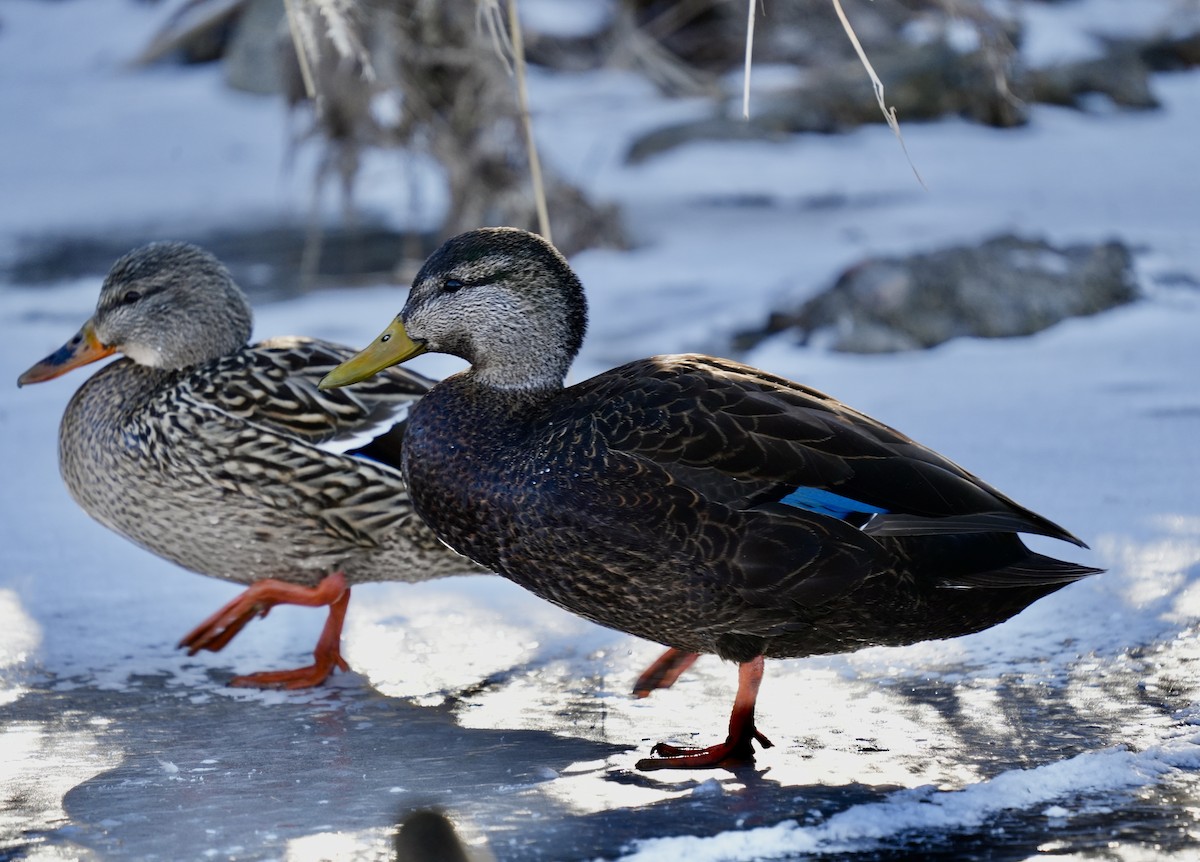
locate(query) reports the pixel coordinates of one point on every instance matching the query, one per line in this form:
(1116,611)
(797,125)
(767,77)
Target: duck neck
(535,378)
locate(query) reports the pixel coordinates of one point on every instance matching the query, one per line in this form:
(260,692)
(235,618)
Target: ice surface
(1070,730)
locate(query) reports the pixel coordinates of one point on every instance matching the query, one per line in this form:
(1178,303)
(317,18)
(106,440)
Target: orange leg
(737,749)
(664,671)
(257,600)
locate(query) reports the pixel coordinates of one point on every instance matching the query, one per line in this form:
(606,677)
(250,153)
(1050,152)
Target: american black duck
(224,457)
(689,500)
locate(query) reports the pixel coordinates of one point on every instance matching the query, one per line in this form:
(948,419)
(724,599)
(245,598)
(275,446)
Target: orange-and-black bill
(392,347)
(83,348)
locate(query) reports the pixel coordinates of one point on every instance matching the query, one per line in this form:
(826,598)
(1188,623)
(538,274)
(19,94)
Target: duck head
(166,305)
(503,299)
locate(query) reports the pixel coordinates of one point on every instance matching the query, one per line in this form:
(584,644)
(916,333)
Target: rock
(1122,76)
(923,82)
(935,78)
(196,32)
(1007,286)
(711,35)
(1168,54)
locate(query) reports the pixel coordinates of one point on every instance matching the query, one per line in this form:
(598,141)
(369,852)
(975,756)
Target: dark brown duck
(689,500)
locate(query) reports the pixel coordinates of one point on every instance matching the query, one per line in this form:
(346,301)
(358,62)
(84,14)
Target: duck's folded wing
(747,438)
(352,501)
(274,385)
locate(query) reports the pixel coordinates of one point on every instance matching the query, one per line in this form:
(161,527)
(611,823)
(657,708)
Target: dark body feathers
(652,505)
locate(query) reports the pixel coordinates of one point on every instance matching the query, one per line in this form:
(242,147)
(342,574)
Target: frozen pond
(157,769)
(1069,728)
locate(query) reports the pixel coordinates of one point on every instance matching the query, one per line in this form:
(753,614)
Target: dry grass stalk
(889,114)
(304,40)
(535,165)
(339,27)
(641,48)
(749,53)
(337,76)
(448,75)
(491,16)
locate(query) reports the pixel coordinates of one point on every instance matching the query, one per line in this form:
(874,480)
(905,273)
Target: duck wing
(273,385)
(254,424)
(749,439)
(349,501)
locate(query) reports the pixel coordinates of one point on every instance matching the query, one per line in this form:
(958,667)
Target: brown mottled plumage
(221,457)
(689,500)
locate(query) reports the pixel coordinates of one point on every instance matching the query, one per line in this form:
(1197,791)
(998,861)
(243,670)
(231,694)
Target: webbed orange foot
(738,747)
(257,600)
(663,672)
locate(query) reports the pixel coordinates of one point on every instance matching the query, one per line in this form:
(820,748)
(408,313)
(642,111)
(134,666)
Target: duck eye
(451,285)
(130,297)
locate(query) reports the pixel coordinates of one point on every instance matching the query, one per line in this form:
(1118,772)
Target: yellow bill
(392,347)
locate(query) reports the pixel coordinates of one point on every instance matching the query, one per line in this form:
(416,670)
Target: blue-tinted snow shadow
(241,778)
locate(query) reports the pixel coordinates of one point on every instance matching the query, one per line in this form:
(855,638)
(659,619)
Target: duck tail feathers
(1035,570)
(980,522)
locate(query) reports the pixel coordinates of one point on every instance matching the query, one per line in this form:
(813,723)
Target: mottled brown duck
(228,460)
(689,500)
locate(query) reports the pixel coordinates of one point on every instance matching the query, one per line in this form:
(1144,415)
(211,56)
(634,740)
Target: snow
(155,148)
(472,695)
(572,18)
(925,809)
(1074,30)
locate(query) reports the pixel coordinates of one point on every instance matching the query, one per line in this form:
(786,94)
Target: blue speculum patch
(828,503)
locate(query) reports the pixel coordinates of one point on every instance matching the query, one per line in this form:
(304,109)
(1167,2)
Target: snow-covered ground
(1067,732)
